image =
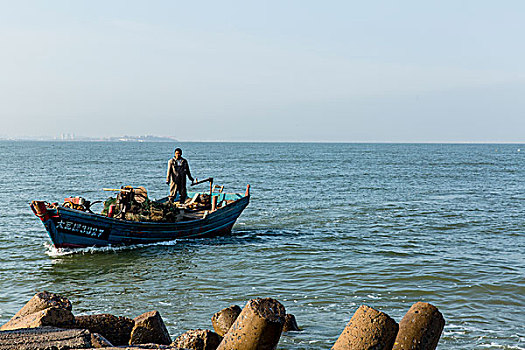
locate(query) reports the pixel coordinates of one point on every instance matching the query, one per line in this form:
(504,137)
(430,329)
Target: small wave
(54,252)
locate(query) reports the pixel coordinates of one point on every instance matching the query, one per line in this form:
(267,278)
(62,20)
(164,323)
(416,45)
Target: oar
(116,189)
(210,180)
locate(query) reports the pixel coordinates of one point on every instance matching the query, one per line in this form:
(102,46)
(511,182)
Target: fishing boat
(70,225)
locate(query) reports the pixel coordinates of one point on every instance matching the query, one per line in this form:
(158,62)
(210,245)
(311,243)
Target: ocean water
(329,227)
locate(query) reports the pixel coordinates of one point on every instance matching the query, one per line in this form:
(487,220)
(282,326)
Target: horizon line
(267,141)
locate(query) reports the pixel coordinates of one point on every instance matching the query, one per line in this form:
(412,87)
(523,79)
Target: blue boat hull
(70,228)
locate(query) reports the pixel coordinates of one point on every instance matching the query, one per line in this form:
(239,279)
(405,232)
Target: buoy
(111,211)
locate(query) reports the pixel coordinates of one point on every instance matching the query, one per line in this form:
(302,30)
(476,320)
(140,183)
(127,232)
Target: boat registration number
(81,229)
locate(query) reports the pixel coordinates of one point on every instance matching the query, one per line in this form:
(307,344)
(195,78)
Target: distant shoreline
(72,138)
(160,140)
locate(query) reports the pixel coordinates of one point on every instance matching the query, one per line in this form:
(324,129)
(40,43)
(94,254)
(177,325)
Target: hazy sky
(401,71)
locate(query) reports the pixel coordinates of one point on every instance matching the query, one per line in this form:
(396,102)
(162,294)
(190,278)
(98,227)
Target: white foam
(54,252)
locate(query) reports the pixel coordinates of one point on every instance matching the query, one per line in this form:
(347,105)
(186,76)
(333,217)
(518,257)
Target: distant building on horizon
(66,137)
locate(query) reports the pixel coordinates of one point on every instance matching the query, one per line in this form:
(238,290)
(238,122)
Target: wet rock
(290,324)
(53,316)
(116,329)
(41,301)
(223,320)
(46,338)
(368,329)
(149,328)
(198,339)
(420,328)
(258,327)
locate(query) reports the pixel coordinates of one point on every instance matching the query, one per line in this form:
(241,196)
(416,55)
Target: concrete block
(290,324)
(53,316)
(45,338)
(198,339)
(223,320)
(368,329)
(258,327)
(420,328)
(116,329)
(149,328)
(41,301)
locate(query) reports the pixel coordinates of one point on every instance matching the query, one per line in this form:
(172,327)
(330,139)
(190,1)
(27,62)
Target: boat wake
(54,252)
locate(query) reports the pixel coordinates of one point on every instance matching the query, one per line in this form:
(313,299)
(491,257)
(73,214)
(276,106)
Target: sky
(293,71)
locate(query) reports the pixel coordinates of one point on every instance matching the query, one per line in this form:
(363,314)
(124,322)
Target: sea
(330,227)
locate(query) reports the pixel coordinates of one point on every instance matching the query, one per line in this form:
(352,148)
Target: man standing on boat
(178,169)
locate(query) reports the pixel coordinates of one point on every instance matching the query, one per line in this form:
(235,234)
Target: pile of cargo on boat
(133,204)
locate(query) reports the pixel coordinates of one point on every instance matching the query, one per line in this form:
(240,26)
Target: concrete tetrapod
(149,328)
(116,329)
(368,329)
(41,301)
(198,339)
(45,338)
(43,309)
(258,327)
(223,320)
(290,324)
(420,328)
(53,316)
(137,347)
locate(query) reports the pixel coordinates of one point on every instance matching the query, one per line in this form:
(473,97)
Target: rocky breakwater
(46,322)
